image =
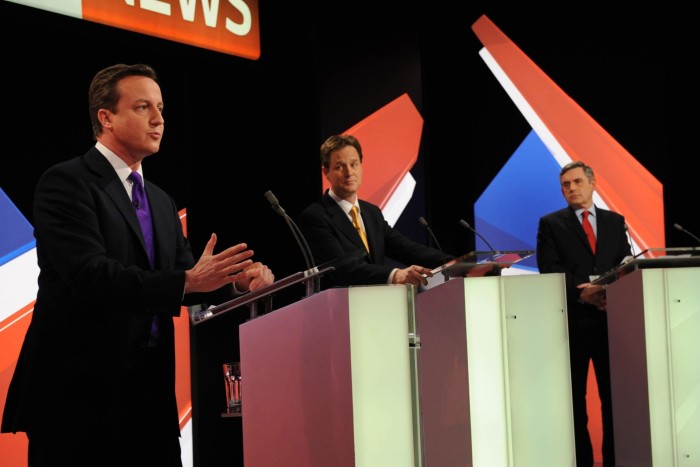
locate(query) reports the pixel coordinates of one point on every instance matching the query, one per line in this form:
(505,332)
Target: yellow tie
(354,213)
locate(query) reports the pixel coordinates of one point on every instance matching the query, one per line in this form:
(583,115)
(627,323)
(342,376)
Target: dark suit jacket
(331,236)
(562,246)
(96,299)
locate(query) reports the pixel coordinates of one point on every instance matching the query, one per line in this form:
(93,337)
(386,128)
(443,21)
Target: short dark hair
(104,91)
(335,142)
(575,165)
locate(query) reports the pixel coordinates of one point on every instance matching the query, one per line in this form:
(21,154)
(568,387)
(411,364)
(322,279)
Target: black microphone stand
(466,225)
(314,285)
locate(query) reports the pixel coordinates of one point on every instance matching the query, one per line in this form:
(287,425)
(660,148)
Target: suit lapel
(605,230)
(115,190)
(340,220)
(575,226)
(161,214)
(372,226)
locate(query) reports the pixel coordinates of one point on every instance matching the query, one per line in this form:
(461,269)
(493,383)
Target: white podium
(331,380)
(494,372)
(654,334)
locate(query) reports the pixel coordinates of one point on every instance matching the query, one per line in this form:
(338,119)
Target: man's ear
(105,117)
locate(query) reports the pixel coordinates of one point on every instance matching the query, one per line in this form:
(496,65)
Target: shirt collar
(579,212)
(346,206)
(122,169)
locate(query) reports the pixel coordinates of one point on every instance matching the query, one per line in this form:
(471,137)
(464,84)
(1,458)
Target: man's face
(344,173)
(136,129)
(577,189)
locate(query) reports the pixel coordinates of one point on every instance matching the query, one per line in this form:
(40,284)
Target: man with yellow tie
(340,224)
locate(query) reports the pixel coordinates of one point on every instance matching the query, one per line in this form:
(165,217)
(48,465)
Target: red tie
(588,228)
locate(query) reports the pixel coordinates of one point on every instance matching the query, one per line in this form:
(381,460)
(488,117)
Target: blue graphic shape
(16,234)
(526,188)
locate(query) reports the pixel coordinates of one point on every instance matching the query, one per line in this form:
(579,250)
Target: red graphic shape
(623,183)
(390,139)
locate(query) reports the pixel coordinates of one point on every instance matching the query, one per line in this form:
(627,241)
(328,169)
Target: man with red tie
(584,241)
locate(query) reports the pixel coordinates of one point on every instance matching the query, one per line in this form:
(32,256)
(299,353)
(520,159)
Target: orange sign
(227,26)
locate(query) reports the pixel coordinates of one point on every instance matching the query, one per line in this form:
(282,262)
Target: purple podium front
(332,380)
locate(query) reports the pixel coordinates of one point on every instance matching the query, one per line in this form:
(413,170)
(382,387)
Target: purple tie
(143,212)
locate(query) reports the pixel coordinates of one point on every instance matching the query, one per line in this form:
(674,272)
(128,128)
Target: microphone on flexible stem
(627,259)
(301,241)
(424,223)
(678,227)
(305,250)
(629,236)
(466,225)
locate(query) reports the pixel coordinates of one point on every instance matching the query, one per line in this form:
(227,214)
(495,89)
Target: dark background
(237,128)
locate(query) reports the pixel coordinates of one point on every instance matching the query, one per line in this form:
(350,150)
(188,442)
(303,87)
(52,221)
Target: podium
(654,336)
(494,371)
(481,263)
(331,380)
(262,297)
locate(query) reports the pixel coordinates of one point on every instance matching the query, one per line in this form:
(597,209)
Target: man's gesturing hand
(213,271)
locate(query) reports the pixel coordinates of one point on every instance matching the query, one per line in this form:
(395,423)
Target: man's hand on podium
(594,295)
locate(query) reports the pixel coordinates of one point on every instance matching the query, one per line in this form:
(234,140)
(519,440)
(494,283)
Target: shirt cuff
(391,275)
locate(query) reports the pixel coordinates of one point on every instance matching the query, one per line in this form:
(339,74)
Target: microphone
(466,225)
(272,199)
(629,236)
(301,241)
(678,227)
(424,223)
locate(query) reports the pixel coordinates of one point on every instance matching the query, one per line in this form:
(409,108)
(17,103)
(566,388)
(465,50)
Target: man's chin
(345,194)
(154,148)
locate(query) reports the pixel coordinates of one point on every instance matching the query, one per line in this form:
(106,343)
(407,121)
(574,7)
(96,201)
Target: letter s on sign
(244,27)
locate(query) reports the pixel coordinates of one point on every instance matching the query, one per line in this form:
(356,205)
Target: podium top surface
(669,252)
(685,257)
(482,263)
(199,315)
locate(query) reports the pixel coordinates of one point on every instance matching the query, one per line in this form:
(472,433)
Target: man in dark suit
(95,380)
(563,246)
(328,227)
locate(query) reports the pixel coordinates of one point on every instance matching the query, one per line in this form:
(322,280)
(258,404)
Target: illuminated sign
(227,26)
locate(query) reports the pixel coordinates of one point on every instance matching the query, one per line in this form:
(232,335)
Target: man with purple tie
(95,380)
